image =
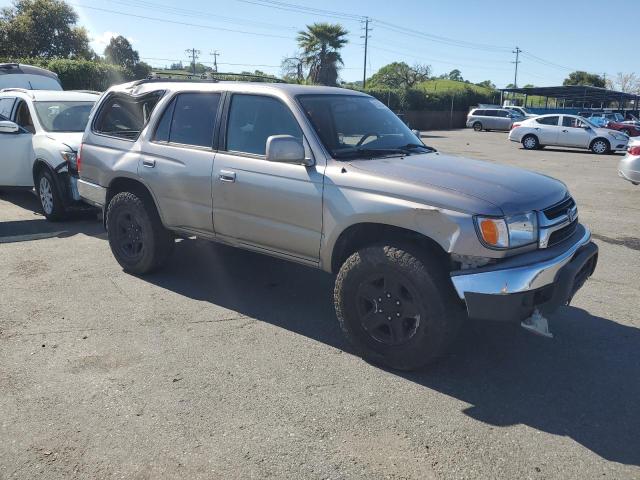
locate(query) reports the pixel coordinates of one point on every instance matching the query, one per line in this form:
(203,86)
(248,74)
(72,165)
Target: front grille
(559,209)
(563,233)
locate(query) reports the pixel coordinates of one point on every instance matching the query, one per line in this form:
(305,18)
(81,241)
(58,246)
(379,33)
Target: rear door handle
(149,163)
(565,131)
(227,176)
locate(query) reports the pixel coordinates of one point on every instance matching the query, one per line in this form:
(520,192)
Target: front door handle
(565,131)
(227,176)
(148,163)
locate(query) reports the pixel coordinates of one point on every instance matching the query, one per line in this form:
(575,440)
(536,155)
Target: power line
(291,7)
(199,14)
(175,22)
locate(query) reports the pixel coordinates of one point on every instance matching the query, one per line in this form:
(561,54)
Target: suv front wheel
(137,237)
(397,308)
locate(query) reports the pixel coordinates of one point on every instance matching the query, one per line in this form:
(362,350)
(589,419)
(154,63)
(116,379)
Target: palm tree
(320,45)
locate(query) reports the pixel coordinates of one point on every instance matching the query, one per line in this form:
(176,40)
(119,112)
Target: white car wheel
(600,147)
(46,195)
(530,142)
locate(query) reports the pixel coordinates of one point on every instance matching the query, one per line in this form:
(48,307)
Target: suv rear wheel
(477,127)
(136,236)
(50,200)
(397,308)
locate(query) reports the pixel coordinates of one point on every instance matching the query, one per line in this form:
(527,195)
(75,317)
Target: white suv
(40,131)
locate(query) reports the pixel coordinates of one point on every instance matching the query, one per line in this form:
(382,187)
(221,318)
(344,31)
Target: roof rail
(16,89)
(95,92)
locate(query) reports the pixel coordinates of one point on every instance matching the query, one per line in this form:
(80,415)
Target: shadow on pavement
(584,384)
(38,227)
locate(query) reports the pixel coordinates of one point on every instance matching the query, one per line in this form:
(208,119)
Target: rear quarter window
(125,116)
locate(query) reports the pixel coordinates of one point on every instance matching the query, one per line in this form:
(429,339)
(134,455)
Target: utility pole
(215,54)
(515,78)
(194,54)
(366,45)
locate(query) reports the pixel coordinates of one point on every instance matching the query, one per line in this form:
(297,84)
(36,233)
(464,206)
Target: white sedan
(566,131)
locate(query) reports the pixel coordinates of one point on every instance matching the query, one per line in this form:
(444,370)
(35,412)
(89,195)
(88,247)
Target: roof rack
(160,76)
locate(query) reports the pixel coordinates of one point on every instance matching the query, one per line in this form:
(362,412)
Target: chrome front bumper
(91,193)
(505,280)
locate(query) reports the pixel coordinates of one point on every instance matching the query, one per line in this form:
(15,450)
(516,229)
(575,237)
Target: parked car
(521,111)
(628,129)
(566,131)
(491,119)
(610,116)
(40,131)
(332,179)
(629,167)
(15,75)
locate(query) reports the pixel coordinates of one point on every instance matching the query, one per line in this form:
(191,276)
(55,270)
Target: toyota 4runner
(332,179)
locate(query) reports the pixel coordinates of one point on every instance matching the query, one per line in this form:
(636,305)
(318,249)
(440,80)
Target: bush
(419,99)
(83,74)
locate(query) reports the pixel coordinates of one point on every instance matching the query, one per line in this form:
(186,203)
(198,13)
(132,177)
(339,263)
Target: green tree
(42,28)
(455,75)
(487,84)
(321,44)
(584,78)
(400,75)
(120,52)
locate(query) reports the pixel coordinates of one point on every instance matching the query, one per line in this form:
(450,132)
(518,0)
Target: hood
(607,131)
(509,189)
(70,139)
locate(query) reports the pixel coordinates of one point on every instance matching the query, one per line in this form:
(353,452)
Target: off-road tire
(134,219)
(441,313)
(49,196)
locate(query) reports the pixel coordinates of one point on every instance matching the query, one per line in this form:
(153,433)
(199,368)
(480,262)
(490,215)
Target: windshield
(352,126)
(63,116)
(589,122)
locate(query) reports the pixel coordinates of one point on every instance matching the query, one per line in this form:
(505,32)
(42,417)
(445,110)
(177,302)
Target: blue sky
(556,36)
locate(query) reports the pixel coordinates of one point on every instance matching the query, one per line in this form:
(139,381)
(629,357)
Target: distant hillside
(444,85)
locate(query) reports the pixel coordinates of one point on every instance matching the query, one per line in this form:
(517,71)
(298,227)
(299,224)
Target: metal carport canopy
(586,94)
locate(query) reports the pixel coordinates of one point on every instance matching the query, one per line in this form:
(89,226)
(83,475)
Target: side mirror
(286,149)
(9,127)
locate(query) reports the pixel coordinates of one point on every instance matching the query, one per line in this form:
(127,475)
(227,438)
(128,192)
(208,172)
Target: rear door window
(490,113)
(548,120)
(503,113)
(254,118)
(189,120)
(6,105)
(124,116)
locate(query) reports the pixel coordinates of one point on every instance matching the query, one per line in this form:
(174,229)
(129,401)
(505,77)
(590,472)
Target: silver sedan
(566,131)
(629,167)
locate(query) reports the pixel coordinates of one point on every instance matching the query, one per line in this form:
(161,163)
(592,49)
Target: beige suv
(332,179)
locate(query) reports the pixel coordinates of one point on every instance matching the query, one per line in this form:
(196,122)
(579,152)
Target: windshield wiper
(372,152)
(411,146)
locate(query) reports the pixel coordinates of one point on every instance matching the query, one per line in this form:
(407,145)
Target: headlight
(71,159)
(509,232)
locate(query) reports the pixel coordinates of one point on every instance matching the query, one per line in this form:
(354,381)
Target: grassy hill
(447,86)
